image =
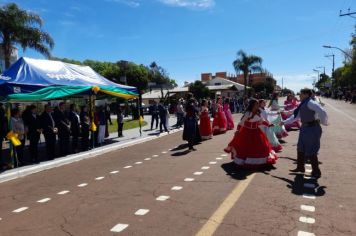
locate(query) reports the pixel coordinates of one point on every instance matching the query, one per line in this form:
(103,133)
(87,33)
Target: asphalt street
(158,188)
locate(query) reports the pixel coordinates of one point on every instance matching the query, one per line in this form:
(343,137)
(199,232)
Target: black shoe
(316,174)
(192,149)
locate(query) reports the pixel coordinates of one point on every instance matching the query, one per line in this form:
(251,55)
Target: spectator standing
(17,126)
(33,126)
(49,130)
(162,111)
(120,121)
(85,127)
(63,125)
(102,125)
(154,114)
(3,131)
(180,113)
(74,127)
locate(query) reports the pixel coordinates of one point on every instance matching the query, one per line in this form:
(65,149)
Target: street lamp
(318,71)
(345,53)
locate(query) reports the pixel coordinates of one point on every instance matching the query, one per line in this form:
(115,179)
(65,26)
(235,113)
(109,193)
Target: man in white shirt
(311,115)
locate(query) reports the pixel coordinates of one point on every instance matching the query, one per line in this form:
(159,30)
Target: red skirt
(205,129)
(219,123)
(250,148)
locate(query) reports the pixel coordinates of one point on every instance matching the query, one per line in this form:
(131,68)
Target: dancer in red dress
(250,147)
(219,123)
(229,120)
(206,131)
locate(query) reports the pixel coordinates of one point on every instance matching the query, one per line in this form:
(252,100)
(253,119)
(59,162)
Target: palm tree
(246,64)
(23,28)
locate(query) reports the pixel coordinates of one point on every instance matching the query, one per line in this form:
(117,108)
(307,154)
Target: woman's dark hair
(251,104)
(203,102)
(227,100)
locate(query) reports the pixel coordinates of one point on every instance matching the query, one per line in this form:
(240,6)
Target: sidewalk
(131,137)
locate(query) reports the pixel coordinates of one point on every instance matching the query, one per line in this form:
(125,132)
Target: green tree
(246,64)
(21,27)
(199,90)
(265,87)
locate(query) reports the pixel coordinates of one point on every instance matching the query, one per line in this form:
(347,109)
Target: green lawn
(128,124)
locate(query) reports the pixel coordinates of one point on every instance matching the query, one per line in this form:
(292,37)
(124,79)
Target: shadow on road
(181,153)
(239,173)
(297,185)
(180,147)
(289,158)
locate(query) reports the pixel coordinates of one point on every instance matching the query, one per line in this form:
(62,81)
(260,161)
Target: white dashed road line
(147,159)
(164,152)
(154,155)
(307,208)
(162,198)
(176,188)
(63,192)
(308,220)
(219,158)
(198,173)
(303,233)
(138,163)
(223,155)
(119,227)
(205,167)
(82,185)
(126,167)
(44,200)
(20,210)
(114,172)
(141,212)
(308,170)
(188,179)
(212,162)
(309,196)
(99,178)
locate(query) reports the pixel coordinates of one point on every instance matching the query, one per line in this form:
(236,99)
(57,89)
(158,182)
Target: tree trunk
(245,82)
(7,49)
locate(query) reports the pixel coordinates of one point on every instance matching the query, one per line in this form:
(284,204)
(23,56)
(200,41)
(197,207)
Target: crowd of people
(65,129)
(348,95)
(256,141)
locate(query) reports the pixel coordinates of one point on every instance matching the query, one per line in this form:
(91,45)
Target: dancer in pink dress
(230,121)
(219,123)
(289,105)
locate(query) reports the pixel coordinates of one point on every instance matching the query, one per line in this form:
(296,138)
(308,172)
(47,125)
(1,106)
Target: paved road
(158,191)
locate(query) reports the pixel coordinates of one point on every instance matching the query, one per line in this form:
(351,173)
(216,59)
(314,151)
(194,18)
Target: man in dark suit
(63,125)
(49,131)
(33,126)
(3,131)
(154,114)
(74,127)
(162,111)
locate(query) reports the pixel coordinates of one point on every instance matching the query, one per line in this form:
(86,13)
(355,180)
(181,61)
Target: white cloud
(297,81)
(195,4)
(130,3)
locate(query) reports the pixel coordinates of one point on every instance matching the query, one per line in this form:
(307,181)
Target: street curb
(28,170)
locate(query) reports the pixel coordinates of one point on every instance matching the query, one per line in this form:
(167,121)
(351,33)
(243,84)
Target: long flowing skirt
(191,130)
(272,138)
(250,148)
(278,129)
(229,120)
(219,123)
(205,128)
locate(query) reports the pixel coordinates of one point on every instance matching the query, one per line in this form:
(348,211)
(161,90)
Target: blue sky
(188,37)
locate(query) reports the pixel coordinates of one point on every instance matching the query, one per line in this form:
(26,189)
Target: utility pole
(349,13)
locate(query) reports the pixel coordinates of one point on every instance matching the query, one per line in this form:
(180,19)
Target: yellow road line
(215,220)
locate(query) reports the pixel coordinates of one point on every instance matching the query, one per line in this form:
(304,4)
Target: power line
(349,13)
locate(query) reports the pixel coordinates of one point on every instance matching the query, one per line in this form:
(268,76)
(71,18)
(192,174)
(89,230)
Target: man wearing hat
(311,115)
